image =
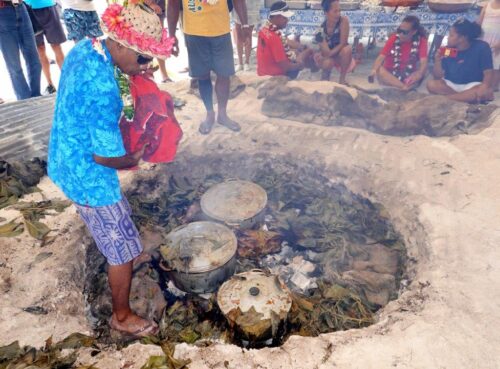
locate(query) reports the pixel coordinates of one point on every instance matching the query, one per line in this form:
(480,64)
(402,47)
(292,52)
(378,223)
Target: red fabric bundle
(154,122)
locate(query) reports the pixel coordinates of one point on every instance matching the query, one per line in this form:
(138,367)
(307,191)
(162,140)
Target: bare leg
(473,95)
(344,59)
(222,86)
(58,53)
(326,65)
(42,53)
(206,93)
(388,79)
(496,80)
(248,46)
(163,71)
(238,39)
(439,87)
(123,319)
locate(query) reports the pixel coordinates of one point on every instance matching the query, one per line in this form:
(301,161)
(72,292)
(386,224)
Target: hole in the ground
(335,251)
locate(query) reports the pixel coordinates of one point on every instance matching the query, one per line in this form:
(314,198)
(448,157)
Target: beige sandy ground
(443,195)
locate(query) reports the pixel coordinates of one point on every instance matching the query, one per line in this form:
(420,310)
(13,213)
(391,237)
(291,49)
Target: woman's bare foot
(134,325)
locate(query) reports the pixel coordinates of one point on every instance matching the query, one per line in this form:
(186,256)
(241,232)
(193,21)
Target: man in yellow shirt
(208,39)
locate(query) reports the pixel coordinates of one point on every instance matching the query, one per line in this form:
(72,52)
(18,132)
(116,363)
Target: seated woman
(334,48)
(402,63)
(467,73)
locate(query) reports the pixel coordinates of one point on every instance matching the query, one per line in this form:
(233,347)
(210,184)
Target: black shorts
(210,54)
(48,19)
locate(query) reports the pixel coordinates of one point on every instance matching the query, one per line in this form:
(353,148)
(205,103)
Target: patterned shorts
(113,230)
(81,24)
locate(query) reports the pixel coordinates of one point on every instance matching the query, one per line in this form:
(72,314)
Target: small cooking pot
(198,257)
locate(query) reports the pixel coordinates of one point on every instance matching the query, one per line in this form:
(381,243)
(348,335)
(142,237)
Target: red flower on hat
(115,23)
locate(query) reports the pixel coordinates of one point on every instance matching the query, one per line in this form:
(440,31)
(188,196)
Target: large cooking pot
(198,257)
(235,202)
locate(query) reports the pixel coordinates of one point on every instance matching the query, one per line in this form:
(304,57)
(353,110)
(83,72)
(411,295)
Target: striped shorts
(113,231)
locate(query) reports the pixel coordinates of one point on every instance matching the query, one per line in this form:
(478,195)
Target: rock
(376,258)
(400,114)
(376,286)
(146,297)
(302,282)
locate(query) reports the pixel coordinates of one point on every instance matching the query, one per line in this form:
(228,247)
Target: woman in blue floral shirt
(86,146)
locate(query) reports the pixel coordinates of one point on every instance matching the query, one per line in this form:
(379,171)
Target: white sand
(447,317)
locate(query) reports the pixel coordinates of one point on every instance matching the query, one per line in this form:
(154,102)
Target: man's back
(270,52)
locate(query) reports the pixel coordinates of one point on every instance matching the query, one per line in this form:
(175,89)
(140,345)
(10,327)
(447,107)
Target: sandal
(149,329)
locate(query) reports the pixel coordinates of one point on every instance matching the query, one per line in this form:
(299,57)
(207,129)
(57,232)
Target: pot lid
(256,289)
(199,247)
(233,201)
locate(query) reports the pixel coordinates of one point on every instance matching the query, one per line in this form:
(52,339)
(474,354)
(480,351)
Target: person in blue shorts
(81,19)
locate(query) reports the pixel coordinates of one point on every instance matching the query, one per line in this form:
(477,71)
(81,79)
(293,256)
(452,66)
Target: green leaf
(36,229)
(10,352)
(11,229)
(74,341)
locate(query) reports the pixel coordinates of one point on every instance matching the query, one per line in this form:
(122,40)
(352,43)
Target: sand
(442,194)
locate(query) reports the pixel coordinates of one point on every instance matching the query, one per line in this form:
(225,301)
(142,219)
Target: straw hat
(139,28)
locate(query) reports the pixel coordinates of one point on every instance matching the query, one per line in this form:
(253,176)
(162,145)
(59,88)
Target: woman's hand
(153,6)
(413,78)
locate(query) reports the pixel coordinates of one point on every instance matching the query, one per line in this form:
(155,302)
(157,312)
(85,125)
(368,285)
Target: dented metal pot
(198,257)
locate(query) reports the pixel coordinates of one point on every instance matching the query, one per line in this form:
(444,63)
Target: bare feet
(207,125)
(343,81)
(325,75)
(134,325)
(227,122)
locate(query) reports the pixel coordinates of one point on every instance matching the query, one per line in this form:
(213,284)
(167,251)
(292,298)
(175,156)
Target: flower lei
(122,80)
(396,53)
(292,56)
(114,21)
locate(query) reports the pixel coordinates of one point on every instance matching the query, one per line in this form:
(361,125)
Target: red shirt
(270,52)
(405,53)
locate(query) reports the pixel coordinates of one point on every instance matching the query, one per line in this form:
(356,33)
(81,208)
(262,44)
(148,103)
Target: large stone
(376,286)
(398,114)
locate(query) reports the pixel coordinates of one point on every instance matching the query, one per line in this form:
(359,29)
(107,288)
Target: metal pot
(236,203)
(198,257)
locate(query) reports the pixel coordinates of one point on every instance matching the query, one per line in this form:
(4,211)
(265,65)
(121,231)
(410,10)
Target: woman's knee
(431,85)
(327,64)
(346,52)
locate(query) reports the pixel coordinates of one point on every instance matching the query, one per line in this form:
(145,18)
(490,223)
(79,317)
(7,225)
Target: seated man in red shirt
(403,60)
(275,54)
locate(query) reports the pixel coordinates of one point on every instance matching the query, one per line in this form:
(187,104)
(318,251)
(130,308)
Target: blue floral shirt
(87,113)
